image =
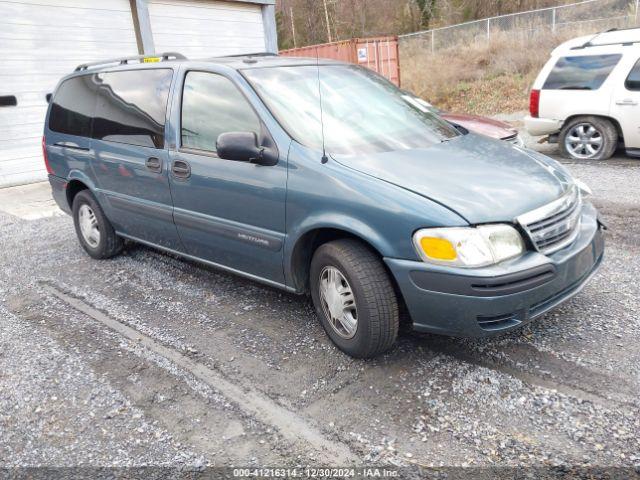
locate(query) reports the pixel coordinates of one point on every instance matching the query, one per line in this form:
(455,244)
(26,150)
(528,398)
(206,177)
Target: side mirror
(244,147)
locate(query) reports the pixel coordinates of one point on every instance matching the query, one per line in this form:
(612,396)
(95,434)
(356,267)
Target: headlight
(468,246)
(584,188)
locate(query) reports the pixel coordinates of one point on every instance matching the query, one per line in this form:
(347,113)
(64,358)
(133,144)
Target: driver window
(211,105)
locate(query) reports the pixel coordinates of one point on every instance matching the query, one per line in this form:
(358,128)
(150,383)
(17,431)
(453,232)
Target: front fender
(332,196)
(296,240)
(346,223)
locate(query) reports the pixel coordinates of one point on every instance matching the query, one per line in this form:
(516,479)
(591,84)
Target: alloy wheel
(583,141)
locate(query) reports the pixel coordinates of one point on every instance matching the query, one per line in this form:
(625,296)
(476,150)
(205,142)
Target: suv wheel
(588,138)
(354,298)
(94,231)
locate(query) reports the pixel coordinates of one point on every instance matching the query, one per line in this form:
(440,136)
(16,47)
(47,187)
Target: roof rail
(125,60)
(590,43)
(255,54)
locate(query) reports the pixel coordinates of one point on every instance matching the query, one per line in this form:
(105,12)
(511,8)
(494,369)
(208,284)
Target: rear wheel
(354,298)
(95,232)
(588,138)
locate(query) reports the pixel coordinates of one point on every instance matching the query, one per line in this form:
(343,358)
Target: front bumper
(541,126)
(481,302)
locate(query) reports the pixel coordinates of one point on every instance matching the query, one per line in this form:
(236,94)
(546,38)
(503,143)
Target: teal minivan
(320,178)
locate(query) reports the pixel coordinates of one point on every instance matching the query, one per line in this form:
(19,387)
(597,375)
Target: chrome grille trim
(555,225)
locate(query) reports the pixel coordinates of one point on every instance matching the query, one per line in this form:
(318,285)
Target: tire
(376,305)
(602,130)
(106,244)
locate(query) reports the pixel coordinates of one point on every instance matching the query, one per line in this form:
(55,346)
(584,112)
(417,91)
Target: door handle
(181,169)
(154,164)
(627,101)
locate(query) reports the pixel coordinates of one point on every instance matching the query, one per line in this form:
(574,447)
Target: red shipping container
(380,54)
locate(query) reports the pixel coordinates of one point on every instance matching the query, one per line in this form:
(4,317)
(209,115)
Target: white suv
(587,96)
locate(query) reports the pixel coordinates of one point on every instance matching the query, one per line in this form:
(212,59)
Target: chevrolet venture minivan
(319,177)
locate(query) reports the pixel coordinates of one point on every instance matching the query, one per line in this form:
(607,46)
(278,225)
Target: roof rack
(590,43)
(125,61)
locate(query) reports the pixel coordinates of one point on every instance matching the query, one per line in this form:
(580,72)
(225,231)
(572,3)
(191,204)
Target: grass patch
(499,94)
(480,76)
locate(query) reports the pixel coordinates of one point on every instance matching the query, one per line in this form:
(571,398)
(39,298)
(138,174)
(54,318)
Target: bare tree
(344,19)
(427,12)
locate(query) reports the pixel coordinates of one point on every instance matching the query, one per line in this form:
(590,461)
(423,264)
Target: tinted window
(131,106)
(211,105)
(73,106)
(633,80)
(581,73)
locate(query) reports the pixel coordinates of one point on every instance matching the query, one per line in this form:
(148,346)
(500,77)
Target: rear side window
(131,106)
(72,107)
(581,73)
(211,105)
(633,80)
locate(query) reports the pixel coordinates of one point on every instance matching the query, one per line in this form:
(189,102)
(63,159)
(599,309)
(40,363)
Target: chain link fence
(583,18)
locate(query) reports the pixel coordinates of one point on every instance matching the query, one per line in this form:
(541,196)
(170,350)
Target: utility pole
(293,28)
(326,16)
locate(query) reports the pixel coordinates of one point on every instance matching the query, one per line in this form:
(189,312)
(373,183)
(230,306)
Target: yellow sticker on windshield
(151,59)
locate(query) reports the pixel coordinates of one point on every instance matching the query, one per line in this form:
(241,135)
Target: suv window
(633,80)
(72,107)
(211,105)
(132,106)
(581,73)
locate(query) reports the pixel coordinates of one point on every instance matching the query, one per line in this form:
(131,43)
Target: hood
(481,179)
(482,125)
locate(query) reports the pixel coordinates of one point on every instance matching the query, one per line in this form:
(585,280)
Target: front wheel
(588,138)
(354,298)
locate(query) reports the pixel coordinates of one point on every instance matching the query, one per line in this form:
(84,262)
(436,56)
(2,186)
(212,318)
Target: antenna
(324,159)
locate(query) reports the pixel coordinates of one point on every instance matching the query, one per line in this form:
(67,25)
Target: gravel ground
(560,391)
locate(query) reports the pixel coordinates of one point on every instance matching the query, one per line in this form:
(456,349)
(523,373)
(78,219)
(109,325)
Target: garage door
(40,41)
(206,28)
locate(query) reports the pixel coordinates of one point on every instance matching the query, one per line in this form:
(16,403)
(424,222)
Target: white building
(43,40)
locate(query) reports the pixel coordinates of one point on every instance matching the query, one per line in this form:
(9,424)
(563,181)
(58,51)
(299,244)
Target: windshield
(428,106)
(361,111)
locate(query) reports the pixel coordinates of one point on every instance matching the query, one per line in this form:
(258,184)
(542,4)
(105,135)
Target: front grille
(556,225)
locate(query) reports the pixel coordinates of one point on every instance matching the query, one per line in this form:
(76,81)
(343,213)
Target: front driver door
(227,212)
